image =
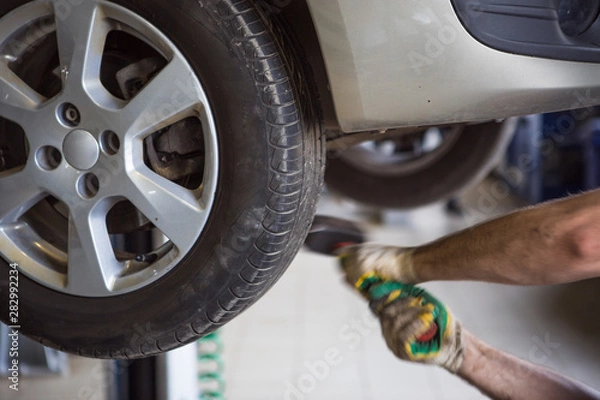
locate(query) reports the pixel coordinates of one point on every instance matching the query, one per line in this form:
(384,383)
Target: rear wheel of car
(160,164)
(418,169)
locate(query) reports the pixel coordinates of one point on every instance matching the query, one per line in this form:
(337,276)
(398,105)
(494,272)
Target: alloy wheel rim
(88,150)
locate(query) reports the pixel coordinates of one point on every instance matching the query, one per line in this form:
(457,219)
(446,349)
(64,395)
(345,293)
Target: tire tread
(296,168)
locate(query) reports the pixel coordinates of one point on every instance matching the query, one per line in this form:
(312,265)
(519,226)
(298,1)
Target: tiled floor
(313,338)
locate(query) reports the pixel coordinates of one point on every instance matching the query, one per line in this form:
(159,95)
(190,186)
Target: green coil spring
(210,367)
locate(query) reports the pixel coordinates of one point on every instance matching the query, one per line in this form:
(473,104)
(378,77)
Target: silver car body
(400,63)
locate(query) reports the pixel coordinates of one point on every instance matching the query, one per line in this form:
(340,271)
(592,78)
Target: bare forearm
(501,376)
(556,242)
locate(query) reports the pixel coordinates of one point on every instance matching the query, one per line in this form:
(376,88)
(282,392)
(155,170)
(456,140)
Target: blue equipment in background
(553,155)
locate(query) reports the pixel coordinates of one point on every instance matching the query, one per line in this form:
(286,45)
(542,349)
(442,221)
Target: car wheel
(158,172)
(417,169)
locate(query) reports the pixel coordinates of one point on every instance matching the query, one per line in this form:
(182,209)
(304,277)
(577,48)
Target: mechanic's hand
(405,320)
(416,326)
(392,263)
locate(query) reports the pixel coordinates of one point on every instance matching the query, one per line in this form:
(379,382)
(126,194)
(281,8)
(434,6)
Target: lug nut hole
(110,143)
(88,186)
(69,115)
(48,158)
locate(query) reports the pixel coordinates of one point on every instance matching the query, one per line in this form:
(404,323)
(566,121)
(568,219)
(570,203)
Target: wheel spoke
(168,98)
(17,99)
(92,264)
(19,194)
(81,34)
(170,207)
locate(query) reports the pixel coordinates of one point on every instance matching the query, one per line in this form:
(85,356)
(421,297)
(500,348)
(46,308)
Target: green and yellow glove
(409,317)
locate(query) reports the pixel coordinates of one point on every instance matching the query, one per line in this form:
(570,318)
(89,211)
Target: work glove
(391,263)
(416,326)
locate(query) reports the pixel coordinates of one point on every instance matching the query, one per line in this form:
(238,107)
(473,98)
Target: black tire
(472,156)
(271,169)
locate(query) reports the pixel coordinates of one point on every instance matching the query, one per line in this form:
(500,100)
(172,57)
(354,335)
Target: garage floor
(313,338)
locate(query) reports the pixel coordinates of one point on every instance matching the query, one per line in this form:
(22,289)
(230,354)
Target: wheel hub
(81,150)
